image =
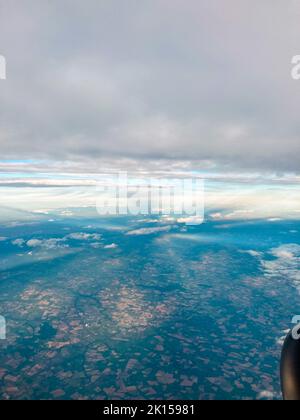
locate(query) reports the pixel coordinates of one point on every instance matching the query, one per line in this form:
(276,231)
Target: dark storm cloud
(196,80)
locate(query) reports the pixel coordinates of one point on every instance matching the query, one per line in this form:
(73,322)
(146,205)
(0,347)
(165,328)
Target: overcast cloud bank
(204,81)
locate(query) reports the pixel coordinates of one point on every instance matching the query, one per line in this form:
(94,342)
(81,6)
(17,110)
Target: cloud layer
(199,80)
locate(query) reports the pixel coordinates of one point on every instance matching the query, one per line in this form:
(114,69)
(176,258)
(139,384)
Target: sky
(165,87)
(198,83)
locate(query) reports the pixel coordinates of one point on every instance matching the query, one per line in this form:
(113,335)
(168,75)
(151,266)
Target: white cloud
(53,243)
(191,220)
(33,243)
(216,216)
(149,231)
(111,246)
(226,198)
(59,243)
(82,236)
(267,395)
(253,253)
(283,253)
(286,264)
(18,242)
(96,245)
(215,86)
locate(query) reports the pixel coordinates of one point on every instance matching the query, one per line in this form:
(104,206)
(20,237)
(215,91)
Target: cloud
(96,245)
(283,253)
(53,243)
(252,253)
(82,236)
(149,231)
(33,243)
(191,220)
(285,265)
(19,242)
(201,81)
(216,216)
(59,243)
(267,395)
(111,246)
(236,198)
